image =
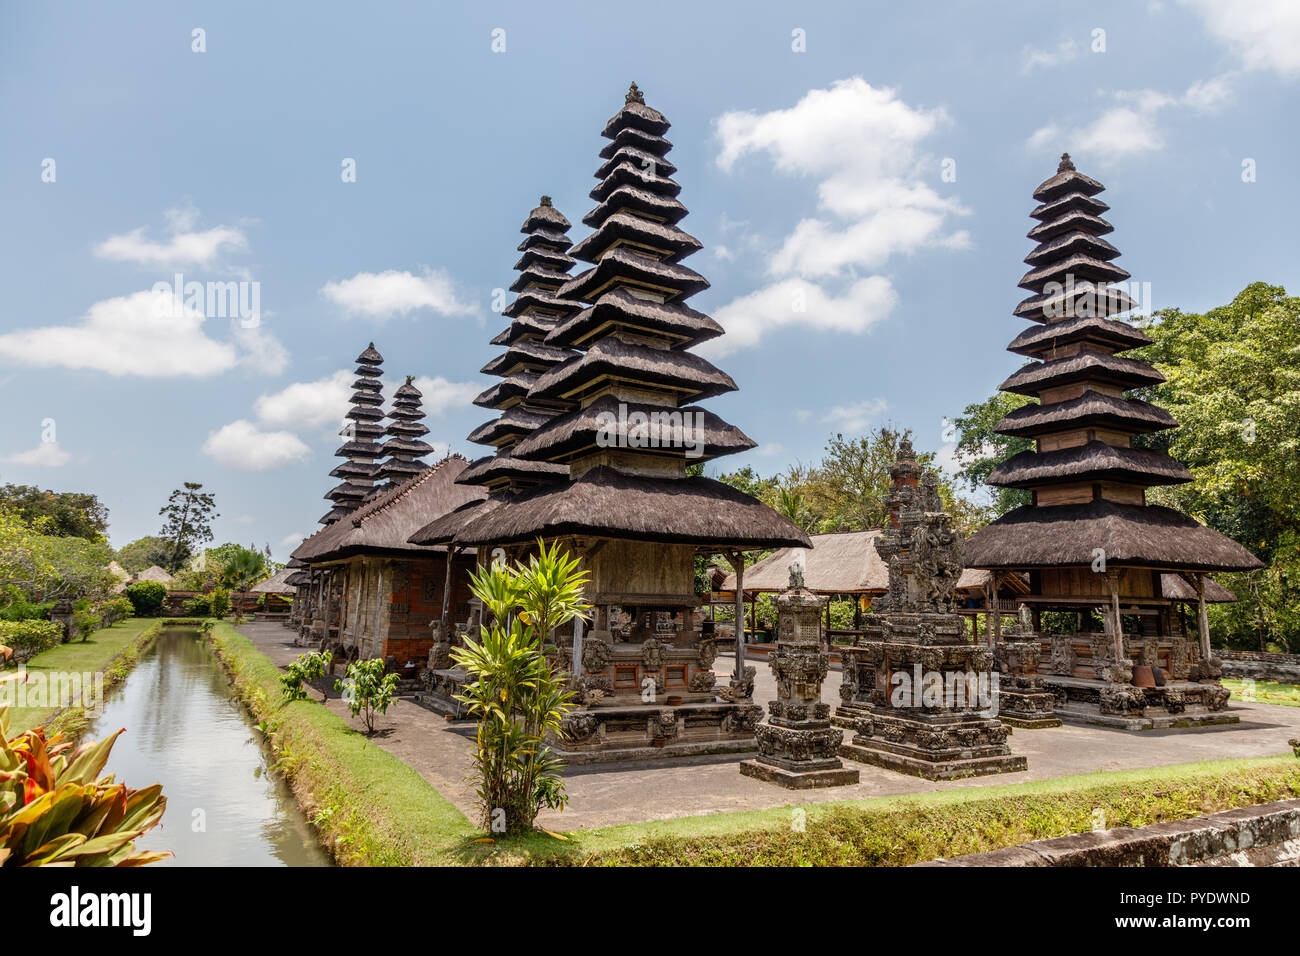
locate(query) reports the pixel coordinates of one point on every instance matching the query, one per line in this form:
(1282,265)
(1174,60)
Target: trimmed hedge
(29,638)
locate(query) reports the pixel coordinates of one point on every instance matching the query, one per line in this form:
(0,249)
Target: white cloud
(47,454)
(862,145)
(800,302)
(138,334)
(186,246)
(259,350)
(856,416)
(245,447)
(383,295)
(292,540)
(1132,124)
(1264,34)
(769,449)
(1063,52)
(317,404)
(441,395)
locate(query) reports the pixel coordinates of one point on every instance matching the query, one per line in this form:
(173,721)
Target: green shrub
(146,597)
(220,603)
(29,638)
(198,606)
(306,668)
(21,610)
(118,609)
(368,690)
(86,623)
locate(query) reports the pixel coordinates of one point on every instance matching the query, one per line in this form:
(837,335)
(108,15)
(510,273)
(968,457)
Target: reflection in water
(185,731)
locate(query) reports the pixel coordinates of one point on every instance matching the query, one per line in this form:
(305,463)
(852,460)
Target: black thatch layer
(370,356)
(671,279)
(544,239)
(636,115)
(1094,461)
(1083,298)
(514,421)
(528,355)
(511,389)
(566,436)
(536,299)
(628,174)
(1133,535)
(347,491)
(1068,221)
(354,469)
(638,139)
(1091,409)
(533,274)
(1076,241)
(607,503)
(505,466)
(1070,202)
(545,218)
(1079,267)
(530,324)
(1112,332)
(1087,366)
(358,449)
(298,579)
(611,359)
(670,242)
(619,308)
(1067,180)
(639,200)
(545,257)
(639,158)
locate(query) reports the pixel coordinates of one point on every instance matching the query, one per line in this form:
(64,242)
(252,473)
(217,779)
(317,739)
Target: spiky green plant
(518,692)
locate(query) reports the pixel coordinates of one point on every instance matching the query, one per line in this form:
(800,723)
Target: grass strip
(113,651)
(369,808)
(1264,692)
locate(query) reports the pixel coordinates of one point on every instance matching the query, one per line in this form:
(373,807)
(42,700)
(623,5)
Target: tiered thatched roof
(360,449)
(277,583)
(385,523)
(1091,480)
(406,430)
(618,433)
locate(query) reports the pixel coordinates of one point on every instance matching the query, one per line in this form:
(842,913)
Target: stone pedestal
(798,748)
(1024,699)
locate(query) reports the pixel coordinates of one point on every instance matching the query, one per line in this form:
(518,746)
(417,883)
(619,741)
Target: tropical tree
(517,690)
(60,513)
(189,512)
(145,552)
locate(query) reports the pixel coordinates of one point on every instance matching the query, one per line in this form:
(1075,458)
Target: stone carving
(579,726)
(666,724)
(743,719)
(742,689)
(702,681)
(706,652)
(652,654)
(595,655)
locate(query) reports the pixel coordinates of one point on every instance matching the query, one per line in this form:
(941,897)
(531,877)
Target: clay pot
(1142,676)
(672,701)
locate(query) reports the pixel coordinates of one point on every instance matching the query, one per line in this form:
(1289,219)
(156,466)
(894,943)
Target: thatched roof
(443,530)
(1068,243)
(612,358)
(1040,338)
(632,230)
(1100,299)
(618,307)
(1130,535)
(154,573)
(504,465)
(277,583)
(1094,461)
(385,523)
(605,502)
(630,267)
(640,158)
(842,563)
(1067,180)
(1092,408)
(628,173)
(298,578)
(565,436)
(1178,588)
(664,208)
(1088,365)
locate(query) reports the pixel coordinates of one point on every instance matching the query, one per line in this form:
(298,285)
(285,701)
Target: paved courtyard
(604,795)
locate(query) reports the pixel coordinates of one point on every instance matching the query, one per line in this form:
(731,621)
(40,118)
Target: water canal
(184,730)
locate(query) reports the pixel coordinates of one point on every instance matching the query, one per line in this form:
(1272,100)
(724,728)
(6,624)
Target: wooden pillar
(990,600)
(577,647)
(1202,617)
(452,551)
(738,564)
(1112,580)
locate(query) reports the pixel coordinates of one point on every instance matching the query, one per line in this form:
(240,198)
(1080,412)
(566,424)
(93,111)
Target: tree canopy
(188,513)
(69,514)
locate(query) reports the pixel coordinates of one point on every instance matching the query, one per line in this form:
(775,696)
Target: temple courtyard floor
(610,794)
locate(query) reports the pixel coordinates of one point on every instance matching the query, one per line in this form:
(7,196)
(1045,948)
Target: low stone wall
(1261,665)
(1264,835)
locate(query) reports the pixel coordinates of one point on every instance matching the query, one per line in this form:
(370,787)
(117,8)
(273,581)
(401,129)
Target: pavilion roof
(276,583)
(844,562)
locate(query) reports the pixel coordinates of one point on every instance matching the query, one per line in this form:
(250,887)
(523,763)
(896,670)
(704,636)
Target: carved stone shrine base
(1177,705)
(618,731)
(1023,698)
(937,747)
(799,755)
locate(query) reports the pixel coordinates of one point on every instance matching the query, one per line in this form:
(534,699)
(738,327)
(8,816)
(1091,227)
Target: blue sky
(818,173)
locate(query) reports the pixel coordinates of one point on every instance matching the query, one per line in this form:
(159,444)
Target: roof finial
(1066,165)
(546,200)
(410,379)
(634,95)
(372,345)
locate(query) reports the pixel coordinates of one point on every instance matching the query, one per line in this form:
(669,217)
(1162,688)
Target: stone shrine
(916,689)
(798,747)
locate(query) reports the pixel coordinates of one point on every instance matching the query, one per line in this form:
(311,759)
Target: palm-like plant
(518,693)
(243,569)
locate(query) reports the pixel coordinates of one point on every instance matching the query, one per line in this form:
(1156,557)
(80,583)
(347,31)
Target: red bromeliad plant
(56,809)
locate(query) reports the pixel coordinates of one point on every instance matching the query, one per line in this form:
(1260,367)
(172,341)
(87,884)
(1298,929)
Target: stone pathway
(605,795)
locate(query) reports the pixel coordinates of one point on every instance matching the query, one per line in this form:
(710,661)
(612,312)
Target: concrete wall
(1264,835)
(1261,666)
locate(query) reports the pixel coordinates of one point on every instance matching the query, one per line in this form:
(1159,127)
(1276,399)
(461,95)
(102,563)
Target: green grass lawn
(1265,692)
(90,656)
